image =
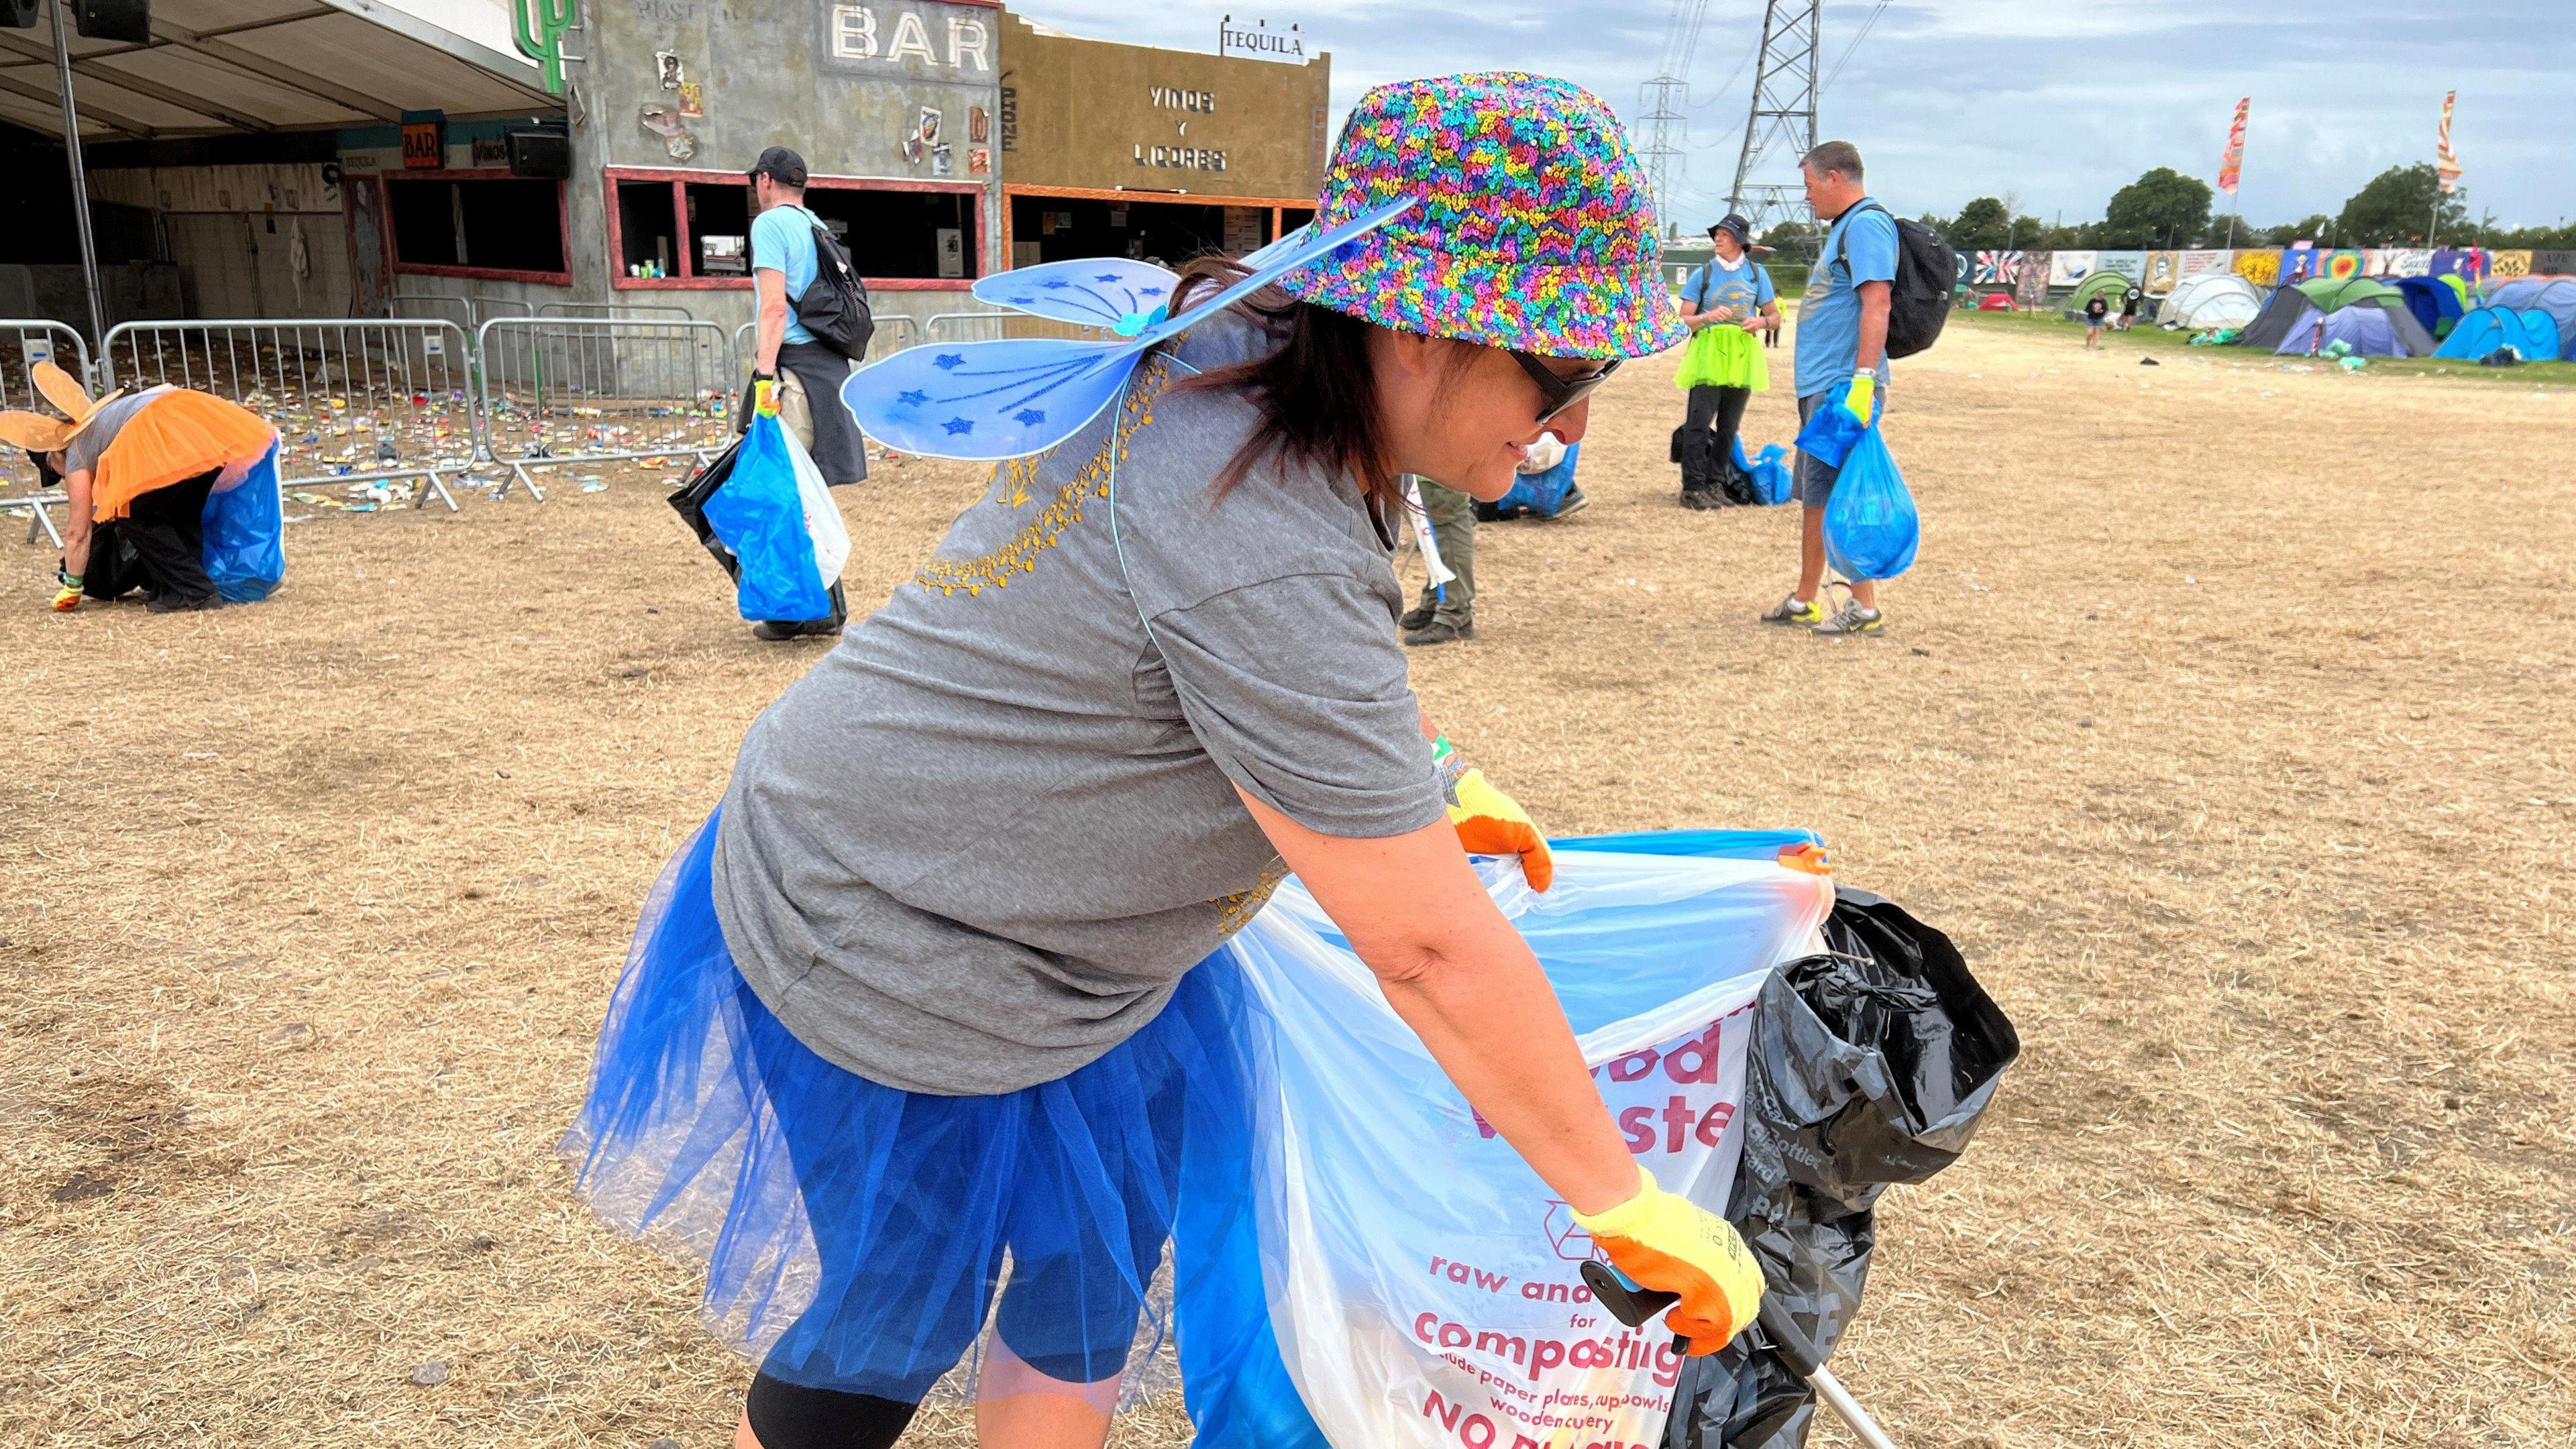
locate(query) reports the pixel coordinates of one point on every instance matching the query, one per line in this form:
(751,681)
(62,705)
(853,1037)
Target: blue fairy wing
(987,400)
(1278,259)
(1098,292)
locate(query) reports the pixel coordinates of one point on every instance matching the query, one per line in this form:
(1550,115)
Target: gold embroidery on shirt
(1091,480)
(1237,910)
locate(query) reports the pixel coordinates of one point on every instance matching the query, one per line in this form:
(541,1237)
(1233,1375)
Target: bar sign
(424,140)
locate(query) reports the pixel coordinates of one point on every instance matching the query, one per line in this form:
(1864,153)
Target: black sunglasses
(1561,392)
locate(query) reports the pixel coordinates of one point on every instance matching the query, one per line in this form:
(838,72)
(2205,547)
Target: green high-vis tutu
(1723,354)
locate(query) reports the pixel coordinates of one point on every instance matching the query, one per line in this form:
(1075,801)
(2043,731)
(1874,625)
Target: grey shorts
(1814,481)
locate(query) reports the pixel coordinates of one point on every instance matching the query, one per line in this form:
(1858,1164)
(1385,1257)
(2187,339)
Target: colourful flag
(2446,162)
(2233,163)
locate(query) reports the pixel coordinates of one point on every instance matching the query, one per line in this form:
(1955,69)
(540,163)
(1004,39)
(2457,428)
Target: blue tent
(2369,331)
(2540,340)
(2554,295)
(2476,335)
(2527,330)
(2434,302)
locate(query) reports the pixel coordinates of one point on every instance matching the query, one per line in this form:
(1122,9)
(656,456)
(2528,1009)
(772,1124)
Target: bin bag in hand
(244,551)
(1872,1064)
(1829,435)
(1402,1278)
(761,509)
(1871,527)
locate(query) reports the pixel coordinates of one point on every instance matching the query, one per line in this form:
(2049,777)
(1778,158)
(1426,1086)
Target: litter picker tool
(1633,1305)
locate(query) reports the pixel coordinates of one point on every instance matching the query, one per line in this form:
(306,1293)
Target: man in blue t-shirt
(1842,362)
(785,263)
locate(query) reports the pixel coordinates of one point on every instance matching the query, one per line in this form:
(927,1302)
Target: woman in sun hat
(1724,303)
(136,470)
(922,992)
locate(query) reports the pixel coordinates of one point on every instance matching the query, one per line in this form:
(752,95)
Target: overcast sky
(2057,102)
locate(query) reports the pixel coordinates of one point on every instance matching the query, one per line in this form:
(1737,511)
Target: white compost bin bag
(1422,1281)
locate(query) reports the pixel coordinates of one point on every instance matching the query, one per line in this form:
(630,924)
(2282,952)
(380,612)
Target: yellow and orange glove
(67,591)
(1665,1241)
(1862,401)
(1488,821)
(764,393)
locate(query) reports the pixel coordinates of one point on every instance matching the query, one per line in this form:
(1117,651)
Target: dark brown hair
(1317,391)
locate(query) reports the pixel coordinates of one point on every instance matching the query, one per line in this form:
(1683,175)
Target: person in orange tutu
(136,470)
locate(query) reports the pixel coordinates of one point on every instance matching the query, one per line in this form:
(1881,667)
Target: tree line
(2165,210)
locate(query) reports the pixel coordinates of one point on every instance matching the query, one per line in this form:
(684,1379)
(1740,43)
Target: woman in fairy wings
(922,993)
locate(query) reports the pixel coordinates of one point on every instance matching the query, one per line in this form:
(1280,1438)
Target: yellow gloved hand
(67,592)
(764,395)
(1490,822)
(1669,1242)
(1862,401)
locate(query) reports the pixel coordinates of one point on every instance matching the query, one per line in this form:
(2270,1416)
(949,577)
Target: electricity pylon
(1782,122)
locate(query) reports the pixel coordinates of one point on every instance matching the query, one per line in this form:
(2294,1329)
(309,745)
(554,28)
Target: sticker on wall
(664,121)
(978,125)
(928,126)
(922,140)
(979,160)
(693,99)
(667,64)
(943,161)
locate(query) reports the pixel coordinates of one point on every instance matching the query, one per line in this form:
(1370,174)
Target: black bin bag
(1871,1065)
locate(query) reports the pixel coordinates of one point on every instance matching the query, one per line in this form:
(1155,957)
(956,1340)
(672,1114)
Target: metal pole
(80,181)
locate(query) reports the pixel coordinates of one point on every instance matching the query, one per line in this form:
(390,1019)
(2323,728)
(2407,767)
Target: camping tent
(2553,295)
(2286,315)
(2329,293)
(2370,331)
(2527,330)
(2212,299)
(2108,285)
(2436,302)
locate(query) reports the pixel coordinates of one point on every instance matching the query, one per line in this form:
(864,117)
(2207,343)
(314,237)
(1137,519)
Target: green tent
(2329,294)
(2106,284)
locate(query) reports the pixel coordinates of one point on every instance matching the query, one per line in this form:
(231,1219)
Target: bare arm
(1457,973)
(76,523)
(1873,325)
(772,332)
(1768,319)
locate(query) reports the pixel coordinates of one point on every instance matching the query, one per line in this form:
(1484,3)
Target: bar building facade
(947,139)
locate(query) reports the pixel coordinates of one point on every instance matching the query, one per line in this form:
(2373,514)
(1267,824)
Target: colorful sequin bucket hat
(1534,230)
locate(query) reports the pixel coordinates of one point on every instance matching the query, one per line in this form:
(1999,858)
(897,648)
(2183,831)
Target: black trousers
(1706,444)
(159,547)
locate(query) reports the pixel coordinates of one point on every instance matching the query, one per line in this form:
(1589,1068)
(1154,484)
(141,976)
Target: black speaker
(20,14)
(126,20)
(546,154)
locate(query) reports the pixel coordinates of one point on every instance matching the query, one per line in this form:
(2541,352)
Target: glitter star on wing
(1010,398)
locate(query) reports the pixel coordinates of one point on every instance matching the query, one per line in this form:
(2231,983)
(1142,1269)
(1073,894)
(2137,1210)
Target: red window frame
(393,249)
(686,245)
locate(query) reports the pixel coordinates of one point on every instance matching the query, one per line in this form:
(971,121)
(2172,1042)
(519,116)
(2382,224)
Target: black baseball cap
(781,165)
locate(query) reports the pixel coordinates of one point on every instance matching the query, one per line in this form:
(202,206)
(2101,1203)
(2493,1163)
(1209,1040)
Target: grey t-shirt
(978,846)
(84,451)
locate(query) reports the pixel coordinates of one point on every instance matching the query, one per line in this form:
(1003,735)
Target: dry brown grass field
(2225,724)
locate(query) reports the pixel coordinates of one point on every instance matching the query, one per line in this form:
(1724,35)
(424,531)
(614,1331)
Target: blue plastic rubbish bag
(1871,527)
(1829,435)
(1769,470)
(759,514)
(1396,1275)
(244,550)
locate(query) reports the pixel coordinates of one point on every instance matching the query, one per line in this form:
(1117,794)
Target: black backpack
(1919,301)
(835,307)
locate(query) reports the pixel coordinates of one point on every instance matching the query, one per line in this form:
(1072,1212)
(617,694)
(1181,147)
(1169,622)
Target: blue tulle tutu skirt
(855,1236)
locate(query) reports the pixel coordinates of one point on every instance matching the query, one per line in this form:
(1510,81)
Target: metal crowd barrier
(24,342)
(989,326)
(894,333)
(468,312)
(617,310)
(558,390)
(353,400)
